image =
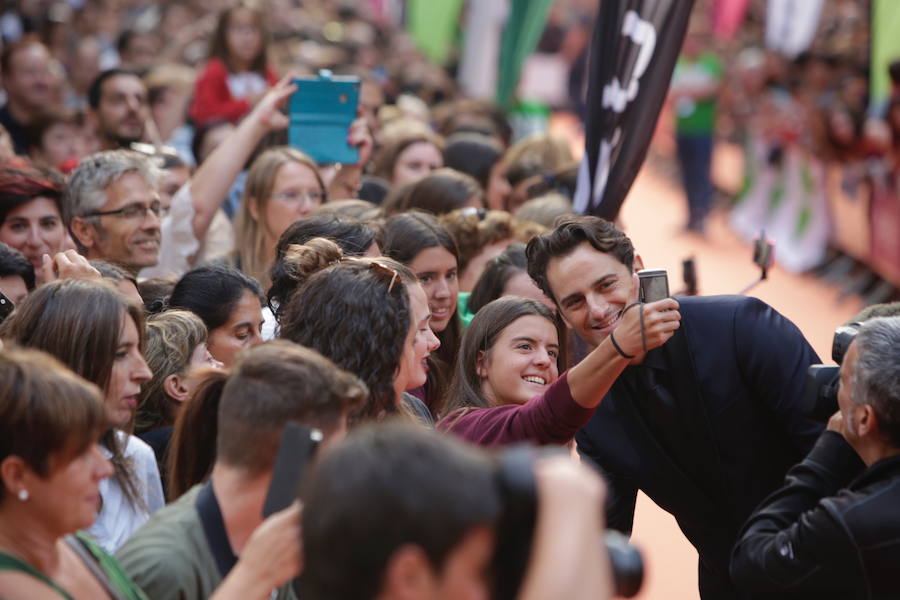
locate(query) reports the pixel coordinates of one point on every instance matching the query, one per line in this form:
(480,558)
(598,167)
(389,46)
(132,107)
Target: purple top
(551,418)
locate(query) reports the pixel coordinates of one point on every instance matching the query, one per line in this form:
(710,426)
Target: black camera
(515,530)
(821,387)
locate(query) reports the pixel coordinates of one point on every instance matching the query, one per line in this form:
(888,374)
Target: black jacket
(833,530)
(727,428)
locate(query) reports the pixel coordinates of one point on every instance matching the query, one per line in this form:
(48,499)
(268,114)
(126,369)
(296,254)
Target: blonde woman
(175,348)
(283,186)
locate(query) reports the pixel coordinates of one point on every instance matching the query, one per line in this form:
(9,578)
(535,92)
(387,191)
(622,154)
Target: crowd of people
(185,284)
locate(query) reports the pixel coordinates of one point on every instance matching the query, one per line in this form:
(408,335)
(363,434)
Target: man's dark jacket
(707,426)
(833,530)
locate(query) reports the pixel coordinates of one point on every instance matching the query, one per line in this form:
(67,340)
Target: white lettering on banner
(616,96)
(642,33)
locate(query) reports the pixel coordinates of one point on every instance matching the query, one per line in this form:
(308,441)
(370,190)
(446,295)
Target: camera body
(820,390)
(515,530)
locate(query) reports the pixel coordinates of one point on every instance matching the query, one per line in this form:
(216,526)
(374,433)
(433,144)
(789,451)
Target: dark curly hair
(355,312)
(569,233)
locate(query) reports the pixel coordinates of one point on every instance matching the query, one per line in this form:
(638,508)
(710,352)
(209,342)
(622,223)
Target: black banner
(633,52)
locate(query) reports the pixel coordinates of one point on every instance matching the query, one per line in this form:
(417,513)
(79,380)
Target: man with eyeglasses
(112,209)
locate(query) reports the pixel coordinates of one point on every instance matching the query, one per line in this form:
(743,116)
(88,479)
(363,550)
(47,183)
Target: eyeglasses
(132,212)
(295,196)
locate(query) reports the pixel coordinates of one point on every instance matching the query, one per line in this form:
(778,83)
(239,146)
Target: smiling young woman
(509,384)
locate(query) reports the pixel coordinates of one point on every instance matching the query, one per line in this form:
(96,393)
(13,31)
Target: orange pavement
(652,217)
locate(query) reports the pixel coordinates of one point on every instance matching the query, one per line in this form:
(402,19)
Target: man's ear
(407,575)
(866,421)
(84,232)
(175,388)
(638,263)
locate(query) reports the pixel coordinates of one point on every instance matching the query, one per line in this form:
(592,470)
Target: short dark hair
(440,192)
(13,263)
(211,292)
(472,154)
(96,88)
(569,233)
(46,411)
(497,272)
(35,131)
(275,383)
(385,487)
(894,72)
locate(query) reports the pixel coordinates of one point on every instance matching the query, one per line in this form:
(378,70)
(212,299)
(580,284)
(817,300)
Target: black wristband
(618,349)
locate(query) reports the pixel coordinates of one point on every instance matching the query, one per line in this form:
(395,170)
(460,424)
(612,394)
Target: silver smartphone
(654,284)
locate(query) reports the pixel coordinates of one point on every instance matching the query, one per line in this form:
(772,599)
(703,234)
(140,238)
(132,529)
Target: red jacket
(213,99)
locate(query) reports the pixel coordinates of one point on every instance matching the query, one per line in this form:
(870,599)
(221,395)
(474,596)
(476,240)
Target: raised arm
(213,179)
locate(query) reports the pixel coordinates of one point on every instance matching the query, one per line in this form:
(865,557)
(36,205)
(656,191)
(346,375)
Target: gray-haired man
(112,208)
(833,530)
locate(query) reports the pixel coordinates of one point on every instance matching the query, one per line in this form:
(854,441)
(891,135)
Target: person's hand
(561,480)
(267,111)
(273,553)
(361,138)
(68,265)
(661,320)
(836,423)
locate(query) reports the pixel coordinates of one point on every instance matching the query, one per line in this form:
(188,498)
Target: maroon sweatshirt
(551,418)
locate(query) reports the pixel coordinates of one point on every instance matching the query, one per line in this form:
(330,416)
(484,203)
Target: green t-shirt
(696,116)
(169,557)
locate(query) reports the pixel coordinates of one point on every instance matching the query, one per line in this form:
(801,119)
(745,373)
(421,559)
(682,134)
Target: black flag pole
(633,52)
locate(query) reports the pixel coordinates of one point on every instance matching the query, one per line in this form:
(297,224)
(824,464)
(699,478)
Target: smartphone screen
(321,111)
(298,445)
(654,284)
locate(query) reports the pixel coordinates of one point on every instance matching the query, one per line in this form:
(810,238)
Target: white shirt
(118,518)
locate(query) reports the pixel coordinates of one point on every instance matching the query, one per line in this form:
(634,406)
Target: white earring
(23,494)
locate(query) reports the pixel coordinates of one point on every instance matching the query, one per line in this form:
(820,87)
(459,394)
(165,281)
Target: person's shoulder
(171,530)
(137,449)
(726,304)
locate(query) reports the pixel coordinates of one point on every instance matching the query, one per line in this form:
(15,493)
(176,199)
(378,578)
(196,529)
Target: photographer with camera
(399,512)
(833,530)
(706,424)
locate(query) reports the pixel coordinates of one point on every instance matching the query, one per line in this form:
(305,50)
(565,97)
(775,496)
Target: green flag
(527,19)
(433,25)
(885,45)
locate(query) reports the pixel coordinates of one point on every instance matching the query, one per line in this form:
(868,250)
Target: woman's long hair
(79,322)
(403,237)
(218,47)
(355,312)
(481,334)
(255,246)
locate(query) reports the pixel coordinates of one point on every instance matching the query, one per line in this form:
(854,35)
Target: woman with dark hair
(510,383)
(237,72)
(51,471)
(408,157)
(228,302)
(440,192)
(479,156)
(370,316)
(355,238)
(504,275)
(31,214)
(417,240)
(99,334)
